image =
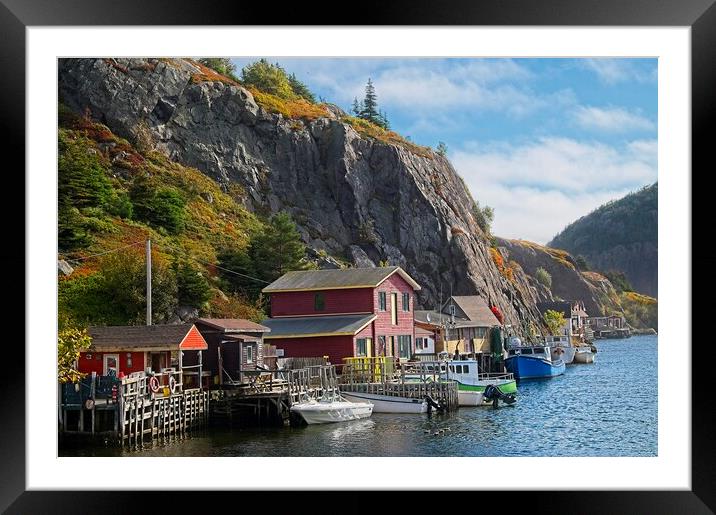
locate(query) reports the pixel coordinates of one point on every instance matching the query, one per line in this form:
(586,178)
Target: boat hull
(584,357)
(529,367)
(388,403)
(328,412)
(566,354)
(473,395)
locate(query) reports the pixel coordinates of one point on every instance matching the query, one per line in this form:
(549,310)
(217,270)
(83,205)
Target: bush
(267,77)
(483,217)
(221,65)
(70,342)
(618,280)
(543,277)
(554,320)
(158,206)
(120,205)
(115,294)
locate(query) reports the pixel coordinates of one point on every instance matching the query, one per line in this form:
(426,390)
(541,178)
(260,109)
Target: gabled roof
(146,337)
(233,325)
(308,280)
(476,310)
(304,327)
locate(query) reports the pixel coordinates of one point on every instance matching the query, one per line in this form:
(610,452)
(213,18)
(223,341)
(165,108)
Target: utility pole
(149,282)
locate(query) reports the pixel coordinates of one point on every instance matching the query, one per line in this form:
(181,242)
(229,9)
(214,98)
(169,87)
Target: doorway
(110,362)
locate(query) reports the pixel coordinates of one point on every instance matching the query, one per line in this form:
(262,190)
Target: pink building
(343,313)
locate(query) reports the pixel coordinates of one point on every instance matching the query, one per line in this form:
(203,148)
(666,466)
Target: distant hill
(619,236)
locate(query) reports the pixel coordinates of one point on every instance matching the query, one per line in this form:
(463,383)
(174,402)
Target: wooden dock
(128,411)
(267,398)
(387,376)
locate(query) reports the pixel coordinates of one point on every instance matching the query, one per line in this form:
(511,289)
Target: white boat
(561,348)
(388,403)
(583,355)
(332,409)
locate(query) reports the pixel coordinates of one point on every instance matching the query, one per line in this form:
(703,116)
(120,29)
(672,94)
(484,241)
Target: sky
(541,141)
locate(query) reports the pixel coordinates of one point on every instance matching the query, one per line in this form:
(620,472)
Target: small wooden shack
(122,350)
(235,351)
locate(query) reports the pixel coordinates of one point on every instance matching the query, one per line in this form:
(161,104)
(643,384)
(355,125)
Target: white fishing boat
(388,403)
(584,355)
(561,348)
(333,408)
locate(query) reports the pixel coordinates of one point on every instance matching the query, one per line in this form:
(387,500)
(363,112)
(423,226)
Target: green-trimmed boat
(472,383)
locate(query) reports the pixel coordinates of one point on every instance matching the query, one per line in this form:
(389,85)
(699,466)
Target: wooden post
(200,370)
(92,395)
(221,365)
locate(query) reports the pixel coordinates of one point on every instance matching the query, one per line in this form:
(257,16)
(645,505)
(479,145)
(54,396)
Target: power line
(79,260)
(214,265)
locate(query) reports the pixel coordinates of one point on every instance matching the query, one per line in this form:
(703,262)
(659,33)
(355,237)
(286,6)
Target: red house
(127,349)
(343,313)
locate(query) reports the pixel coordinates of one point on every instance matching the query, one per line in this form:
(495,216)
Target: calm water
(608,408)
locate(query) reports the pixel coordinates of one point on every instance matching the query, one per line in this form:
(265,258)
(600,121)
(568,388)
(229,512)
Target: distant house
(235,348)
(343,313)
(117,350)
(464,322)
(575,315)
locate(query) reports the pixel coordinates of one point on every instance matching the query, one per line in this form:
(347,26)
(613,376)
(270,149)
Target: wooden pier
(267,398)
(387,376)
(132,409)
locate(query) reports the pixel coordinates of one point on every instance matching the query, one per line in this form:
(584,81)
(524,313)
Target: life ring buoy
(154,384)
(172,384)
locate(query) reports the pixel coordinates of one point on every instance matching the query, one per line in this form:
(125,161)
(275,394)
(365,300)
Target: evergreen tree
(384,121)
(442,148)
(279,249)
(221,65)
(238,261)
(357,107)
(370,104)
(193,288)
(300,89)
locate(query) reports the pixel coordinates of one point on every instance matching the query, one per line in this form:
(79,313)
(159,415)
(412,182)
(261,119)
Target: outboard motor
(492,393)
(432,403)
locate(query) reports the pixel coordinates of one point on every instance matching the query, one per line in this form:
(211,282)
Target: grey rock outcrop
(350,195)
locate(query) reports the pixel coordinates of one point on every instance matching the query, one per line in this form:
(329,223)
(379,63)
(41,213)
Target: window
(458,369)
(382,351)
(319,302)
(249,354)
(406,302)
(419,344)
(480,332)
(361,347)
(394,308)
(404,346)
(381,300)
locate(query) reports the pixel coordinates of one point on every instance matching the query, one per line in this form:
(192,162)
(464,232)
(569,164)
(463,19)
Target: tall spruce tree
(370,104)
(279,249)
(357,107)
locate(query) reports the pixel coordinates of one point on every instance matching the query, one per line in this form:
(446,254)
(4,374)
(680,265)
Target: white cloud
(611,119)
(615,71)
(539,187)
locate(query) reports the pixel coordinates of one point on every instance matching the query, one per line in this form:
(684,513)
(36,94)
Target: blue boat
(533,361)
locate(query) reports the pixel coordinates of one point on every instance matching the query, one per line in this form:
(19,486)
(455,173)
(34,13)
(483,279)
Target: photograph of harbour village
(383,257)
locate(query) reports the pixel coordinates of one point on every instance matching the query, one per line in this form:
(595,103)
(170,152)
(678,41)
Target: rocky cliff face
(568,282)
(353,197)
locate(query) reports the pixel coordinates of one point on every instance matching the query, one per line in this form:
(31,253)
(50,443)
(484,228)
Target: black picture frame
(700,15)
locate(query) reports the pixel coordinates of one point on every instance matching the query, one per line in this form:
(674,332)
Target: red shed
(127,349)
(343,313)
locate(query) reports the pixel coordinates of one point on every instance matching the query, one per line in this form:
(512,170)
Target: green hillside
(620,236)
